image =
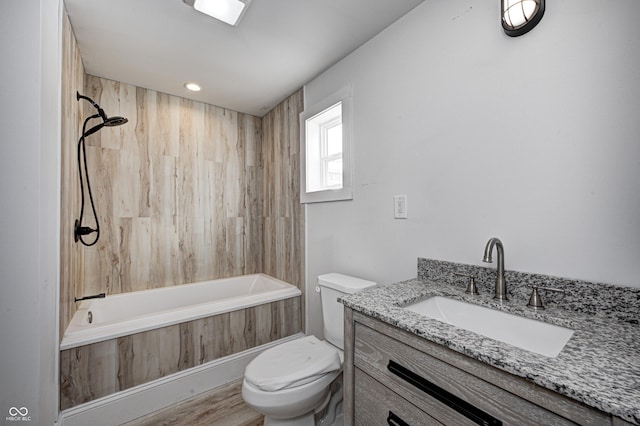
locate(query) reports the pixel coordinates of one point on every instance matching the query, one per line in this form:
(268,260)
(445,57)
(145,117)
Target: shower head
(115,121)
(108,122)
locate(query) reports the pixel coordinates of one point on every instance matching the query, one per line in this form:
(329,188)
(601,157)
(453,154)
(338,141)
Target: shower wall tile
(177,190)
(185,192)
(99,369)
(135,238)
(71,120)
(283,223)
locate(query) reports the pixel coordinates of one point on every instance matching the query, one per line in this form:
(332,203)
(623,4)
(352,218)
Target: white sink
(531,335)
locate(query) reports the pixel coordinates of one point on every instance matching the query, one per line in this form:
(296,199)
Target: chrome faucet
(501,284)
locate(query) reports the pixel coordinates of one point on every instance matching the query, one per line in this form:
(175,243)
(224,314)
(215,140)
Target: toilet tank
(333,286)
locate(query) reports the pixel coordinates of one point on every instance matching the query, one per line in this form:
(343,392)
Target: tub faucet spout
(95,296)
(501,284)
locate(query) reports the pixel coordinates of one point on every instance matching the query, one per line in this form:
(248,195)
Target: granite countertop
(599,366)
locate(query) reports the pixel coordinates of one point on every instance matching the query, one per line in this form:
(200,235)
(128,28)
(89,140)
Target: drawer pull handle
(461,406)
(394,420)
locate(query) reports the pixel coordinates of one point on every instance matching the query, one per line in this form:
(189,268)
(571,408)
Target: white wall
(29,218)
(535,140)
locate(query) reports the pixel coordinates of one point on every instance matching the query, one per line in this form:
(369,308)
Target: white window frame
(343,96)
(325,158)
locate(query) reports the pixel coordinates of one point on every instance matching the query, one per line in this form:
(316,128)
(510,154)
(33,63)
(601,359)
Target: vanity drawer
(377,405)
(450,395)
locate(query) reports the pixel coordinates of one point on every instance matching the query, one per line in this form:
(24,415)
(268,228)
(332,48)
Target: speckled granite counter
(599,366)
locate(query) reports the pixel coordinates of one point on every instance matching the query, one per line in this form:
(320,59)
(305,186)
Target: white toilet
(291,382)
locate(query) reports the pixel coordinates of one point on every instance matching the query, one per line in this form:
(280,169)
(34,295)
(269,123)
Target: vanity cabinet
(397,378)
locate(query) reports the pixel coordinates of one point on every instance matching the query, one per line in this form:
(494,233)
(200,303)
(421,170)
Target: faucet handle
(472,288)
(535,301)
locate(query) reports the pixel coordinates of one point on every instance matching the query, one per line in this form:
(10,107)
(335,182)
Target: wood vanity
(398,378)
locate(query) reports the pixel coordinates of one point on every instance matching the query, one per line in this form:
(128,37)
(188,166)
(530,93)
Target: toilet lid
(292,364)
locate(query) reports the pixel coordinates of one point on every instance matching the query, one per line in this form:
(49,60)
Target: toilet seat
(293,364)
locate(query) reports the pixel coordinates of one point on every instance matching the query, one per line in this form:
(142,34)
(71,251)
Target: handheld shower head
(106,121)
(109,122)
(80,230)
(115,121)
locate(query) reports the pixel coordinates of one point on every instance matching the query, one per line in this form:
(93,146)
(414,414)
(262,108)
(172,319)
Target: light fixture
(520,16)
(194,87)
(229,11)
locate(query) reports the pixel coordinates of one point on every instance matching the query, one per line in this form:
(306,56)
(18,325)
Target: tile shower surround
(599,366)
(185,191)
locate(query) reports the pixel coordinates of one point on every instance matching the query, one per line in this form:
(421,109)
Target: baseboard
(122,407)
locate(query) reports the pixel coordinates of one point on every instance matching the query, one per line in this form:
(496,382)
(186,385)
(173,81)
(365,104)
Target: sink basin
(531,335)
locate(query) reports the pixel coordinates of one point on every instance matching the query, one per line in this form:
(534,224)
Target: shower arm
(95,105)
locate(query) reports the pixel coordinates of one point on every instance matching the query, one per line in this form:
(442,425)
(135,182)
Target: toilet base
(328,413)
(304,420)
(331,413)
(308,419)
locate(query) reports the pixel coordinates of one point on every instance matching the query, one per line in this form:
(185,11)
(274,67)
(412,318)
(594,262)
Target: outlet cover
(399,206)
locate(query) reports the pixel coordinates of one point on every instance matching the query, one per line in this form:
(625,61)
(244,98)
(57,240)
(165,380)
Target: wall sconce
(520,16)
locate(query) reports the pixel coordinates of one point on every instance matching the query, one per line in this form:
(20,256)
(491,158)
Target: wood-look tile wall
(283,231)
(185,191)
(179,194)
(175,189)
(99,369)
(72,115)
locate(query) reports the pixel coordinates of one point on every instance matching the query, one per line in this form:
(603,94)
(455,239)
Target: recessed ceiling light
(193,87)
(229,11)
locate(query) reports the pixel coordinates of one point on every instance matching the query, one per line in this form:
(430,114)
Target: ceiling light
(229,11)
(193,87)
(520,16)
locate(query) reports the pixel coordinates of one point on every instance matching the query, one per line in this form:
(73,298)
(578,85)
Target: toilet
(291,383)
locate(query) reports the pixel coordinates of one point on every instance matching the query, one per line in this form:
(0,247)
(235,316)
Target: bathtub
(97,320)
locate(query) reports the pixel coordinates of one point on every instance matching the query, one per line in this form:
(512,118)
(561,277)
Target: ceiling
(278,46)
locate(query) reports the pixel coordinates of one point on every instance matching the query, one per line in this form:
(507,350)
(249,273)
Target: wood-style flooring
(220,407)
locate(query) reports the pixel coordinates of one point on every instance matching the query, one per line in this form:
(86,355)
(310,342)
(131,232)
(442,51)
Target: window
(325,150)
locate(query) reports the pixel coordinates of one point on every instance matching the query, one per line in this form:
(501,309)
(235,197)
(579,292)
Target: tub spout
(94,296)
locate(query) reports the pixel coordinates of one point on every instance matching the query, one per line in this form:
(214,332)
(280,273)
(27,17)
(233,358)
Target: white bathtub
(128,313)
